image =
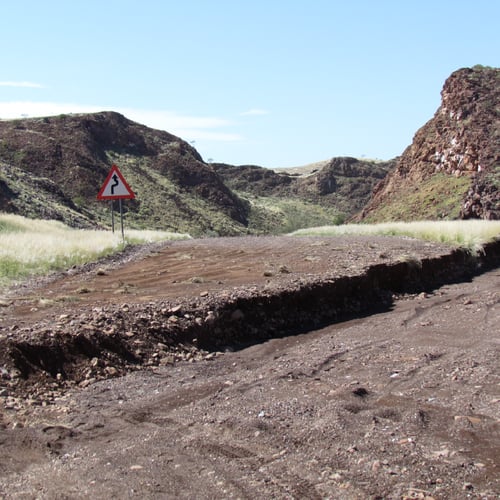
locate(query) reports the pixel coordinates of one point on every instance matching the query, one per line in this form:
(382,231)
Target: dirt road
(404,403)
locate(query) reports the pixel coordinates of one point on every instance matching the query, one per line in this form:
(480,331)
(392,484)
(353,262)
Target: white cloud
(30,85)
(255,112)
(187,127)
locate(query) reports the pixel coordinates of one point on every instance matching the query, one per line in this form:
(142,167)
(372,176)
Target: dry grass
(470,234)
(30,247)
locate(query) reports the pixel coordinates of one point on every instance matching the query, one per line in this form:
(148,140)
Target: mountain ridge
(53,167)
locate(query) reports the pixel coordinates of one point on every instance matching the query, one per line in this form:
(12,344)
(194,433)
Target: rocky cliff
(452,168)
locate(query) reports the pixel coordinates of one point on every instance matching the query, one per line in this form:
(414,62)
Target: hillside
(53,167)
(327,192)
(452,168)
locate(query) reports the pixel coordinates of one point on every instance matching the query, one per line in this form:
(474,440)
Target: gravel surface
(175,374)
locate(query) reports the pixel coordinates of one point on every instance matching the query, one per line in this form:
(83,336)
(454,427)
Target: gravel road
(400,403)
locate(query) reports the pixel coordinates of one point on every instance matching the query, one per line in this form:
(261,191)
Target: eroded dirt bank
(402,403)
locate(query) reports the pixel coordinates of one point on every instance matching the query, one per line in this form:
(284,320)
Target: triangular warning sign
(115,187)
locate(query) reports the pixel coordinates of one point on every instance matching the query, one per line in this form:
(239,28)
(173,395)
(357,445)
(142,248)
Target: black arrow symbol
(116,183)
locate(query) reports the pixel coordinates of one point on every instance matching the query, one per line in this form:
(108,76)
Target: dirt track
(404,403)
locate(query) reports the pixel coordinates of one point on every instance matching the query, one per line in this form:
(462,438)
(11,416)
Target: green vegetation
(470,234)
(161,203)
(493,177)
(33,247)
(283,215)
(480,67)
(438,197)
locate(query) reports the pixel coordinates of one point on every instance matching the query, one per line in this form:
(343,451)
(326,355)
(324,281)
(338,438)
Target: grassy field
(470,234)
(33,247)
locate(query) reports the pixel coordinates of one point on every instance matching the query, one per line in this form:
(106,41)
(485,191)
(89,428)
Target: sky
(275,83)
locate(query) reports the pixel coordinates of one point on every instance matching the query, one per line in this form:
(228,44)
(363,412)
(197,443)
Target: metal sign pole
(112,217)
(121,218)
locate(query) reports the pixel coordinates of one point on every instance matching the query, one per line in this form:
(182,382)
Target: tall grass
(32,247)
(470,234)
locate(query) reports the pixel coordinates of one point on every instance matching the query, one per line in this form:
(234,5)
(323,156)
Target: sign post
(115,187)
(111,203)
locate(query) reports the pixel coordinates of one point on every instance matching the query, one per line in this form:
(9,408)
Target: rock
(86,382)
(210,318)
(111,371)
(168,359)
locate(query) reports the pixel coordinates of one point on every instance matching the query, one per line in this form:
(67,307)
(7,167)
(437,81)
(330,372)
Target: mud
(256,367)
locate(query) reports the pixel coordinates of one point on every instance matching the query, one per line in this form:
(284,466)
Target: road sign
(115,187)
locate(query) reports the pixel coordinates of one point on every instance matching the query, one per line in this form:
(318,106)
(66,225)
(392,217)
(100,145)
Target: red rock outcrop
(461,140)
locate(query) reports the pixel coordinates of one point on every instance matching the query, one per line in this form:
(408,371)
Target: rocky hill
(452,168)
(340,186)
(53,168)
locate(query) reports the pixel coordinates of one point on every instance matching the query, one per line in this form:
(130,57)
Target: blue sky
(266,82)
